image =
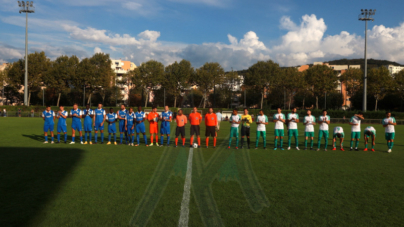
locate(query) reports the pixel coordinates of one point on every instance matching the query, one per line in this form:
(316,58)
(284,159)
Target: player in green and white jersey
(262,121)
(388,123)
(356,129)
(293,119)
(309,121)
(370,132)
(279,119)
(234,120)
(338,133)
(323,121)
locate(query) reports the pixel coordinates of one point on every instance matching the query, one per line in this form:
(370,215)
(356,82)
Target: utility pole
(26,7)
(366,15)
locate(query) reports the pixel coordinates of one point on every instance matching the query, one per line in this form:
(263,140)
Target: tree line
(68,80)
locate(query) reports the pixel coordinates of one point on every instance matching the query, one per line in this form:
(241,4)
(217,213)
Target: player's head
(235,111)
(61,107)
(154,108)
(131,110)
(388,114)
(309,112)
(166,108)
(360,113)
(87,106)
(211,110)
(245,111)
(75,106)
(48,108)
(279,110)
(261,112)
(294,110)
(122,106)
(139,108)
(99,105)
(219,110)
(180,112)
(324,112)
(111,110)
(195,109)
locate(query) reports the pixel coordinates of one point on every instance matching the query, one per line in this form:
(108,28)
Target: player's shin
(121,138)
(183,141)
(356,143)
(58,137)
(65,137)
(214,141)
(199,141)
(168,140)
(133,138)
(114,137)
(138,139)
(264,138)
(161,139)
(305,142)
(102,137)
(207,141)
(145,139)
(176,141)
(109,137)
(248,141)
(95,137)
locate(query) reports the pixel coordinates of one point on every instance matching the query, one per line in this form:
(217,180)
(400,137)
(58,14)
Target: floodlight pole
(366,16)
(26,7)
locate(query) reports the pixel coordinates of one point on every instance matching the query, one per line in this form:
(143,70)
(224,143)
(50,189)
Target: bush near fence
(25,111)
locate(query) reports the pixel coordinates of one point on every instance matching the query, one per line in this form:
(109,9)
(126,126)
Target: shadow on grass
(37,137)
(30,178)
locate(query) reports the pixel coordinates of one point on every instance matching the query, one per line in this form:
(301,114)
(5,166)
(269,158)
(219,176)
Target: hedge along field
(269,112)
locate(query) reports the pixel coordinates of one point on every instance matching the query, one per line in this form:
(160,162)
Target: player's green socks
(342,144)
(373,146)
(102,137)
(230,141)
(289,141)
(58,137)
(335,143)
(356,143)
(95,137)
(326,142)
(311,143)
(305,143)
(46,138)
(351,143)
(276,143)
(281,142)
(297,141)
(366,145)
(319,143)
(391,145)
(256,141)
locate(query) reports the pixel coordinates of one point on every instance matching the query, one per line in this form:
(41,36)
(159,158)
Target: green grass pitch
(100,185)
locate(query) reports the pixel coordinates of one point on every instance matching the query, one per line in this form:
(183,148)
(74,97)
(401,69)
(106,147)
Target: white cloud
(97,50)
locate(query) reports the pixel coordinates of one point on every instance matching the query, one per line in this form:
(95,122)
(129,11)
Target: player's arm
(297,118)
(61,115)
(327,121)
(43,116)
(282,118)
(54,117)
(361,117)
(350,122)
(393,122)
(275,119)
(200,119)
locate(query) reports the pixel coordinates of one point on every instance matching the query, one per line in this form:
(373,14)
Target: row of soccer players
(129,121)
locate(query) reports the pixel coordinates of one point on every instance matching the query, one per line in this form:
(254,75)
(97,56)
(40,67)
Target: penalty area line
(184,215)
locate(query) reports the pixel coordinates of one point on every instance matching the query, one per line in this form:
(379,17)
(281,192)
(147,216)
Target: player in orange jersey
(181,120)
(153,119)
(211,123)
(195,118)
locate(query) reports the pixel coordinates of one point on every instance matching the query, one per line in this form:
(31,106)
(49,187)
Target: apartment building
(121,68)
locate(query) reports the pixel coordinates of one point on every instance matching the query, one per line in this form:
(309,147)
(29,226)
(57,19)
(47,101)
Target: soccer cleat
(265,148)
(236,148)
(342,149)
(351,149)
(72,142)
(318,149)
(152,145)
(45,142)
(133,144)
(228,147)
(129,144)
(207,147)
(325,149)
(161,145)
(199,146)
(157,144)
(311,148)
(90,143)
(58,142)
(109,143)
(389,151)
(85,142)
(102,143)
(183,145)
(241,147)
(281,148)
(190,146)
(81,142)
(305,148)
(120,143)
(275,148)
(175,146)
(65,142)
(115,143)
(356,149)
(214,146)
(297,148)
(288,148)
(136,145)
(52,142)
(365,149)
(373,150)
(256,148)
(334,148)
(95,142)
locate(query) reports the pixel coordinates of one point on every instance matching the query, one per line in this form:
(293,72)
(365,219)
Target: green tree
(206,77)
(292,81)
(322,79)
(399,83)
(60,73)
(176,78)
(148,75)
(103,75)
(352,78)
(379,83)
(262,77)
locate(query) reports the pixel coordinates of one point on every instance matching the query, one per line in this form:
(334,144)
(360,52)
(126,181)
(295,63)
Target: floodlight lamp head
(32,3)
(19,3)
(23,4)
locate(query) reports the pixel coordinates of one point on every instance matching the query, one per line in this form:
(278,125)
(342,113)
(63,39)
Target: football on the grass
(195,145)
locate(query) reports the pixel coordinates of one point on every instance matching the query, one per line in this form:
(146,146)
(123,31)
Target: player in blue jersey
(130,126)
(99,119)
(88,115)
(49,117)
(111,119)
(121,117)
(76,115)
(166,118)
(62,125)
(140,127)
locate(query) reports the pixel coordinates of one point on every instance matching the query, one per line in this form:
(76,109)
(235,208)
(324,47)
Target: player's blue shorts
(77,126)
(140,128)
(122,126)
(112,128)
(88,127)
(47,127)
(97,127)
(165,130)
(130,130)
(62,128)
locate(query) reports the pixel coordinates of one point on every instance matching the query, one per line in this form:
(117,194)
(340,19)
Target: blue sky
(234,33)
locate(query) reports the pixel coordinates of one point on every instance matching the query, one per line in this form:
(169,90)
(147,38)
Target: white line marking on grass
(184,216)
